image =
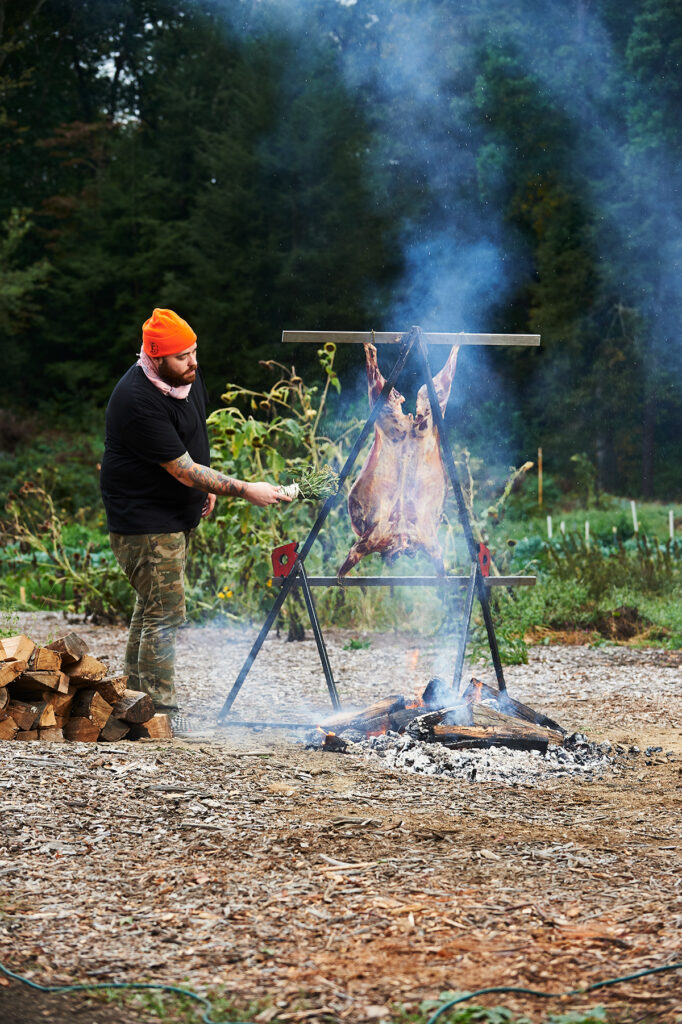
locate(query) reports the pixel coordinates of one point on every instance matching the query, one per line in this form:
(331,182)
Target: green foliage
(275,435)
(613,591)
(357,644)
(469,1013)
(60,573)
(62,459)
(648,566)
(19,281)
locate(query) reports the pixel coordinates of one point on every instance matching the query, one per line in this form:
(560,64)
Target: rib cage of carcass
(396,503)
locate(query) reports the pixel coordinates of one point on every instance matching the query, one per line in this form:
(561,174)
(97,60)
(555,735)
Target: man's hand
(262,494)
(209,505)
(203,478)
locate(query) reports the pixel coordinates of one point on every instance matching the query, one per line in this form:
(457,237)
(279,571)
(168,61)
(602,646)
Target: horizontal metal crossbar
(395,338)
(409,581)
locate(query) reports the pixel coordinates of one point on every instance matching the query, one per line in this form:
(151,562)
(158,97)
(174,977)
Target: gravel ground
(322,886)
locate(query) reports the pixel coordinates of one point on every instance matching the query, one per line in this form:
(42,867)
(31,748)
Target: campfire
(479,717)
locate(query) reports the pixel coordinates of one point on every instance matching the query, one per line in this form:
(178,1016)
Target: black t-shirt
(144,428)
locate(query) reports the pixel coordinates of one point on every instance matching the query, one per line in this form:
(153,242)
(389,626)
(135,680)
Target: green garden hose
(550,995)
(465,997)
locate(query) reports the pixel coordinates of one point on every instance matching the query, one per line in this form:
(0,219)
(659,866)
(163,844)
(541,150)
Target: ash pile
(480,735)
(577,757)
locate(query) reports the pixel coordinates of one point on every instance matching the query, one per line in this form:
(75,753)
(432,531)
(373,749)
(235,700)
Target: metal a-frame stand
(476,582)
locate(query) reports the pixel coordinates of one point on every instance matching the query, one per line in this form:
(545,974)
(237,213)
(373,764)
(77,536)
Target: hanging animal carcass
(396,502)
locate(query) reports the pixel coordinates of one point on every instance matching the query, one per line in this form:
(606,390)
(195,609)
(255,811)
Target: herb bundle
(312,483)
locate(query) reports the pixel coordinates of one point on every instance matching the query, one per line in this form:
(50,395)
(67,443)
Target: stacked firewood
(61,692)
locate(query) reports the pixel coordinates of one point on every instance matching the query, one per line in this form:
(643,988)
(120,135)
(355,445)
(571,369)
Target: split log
(71,648)
(112,688)
(134,707)
(60,721)
(23,714)
(61,702)
(490,718)
(30,683)
(45,660)
(368,719)
(114,730)
(86,670)
(31,716)
(9,670)
(477,691)
(27,735)
(91,705)
(513,733)
(157,728)
(8,729)
(421,727)
(17,648)
(45,716)
(53,735)
(4,700)
(81,730)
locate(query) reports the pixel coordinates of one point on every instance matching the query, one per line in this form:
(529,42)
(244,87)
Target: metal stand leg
(319,639)
(446,452)
(251,657)
(405,350)
(464,634)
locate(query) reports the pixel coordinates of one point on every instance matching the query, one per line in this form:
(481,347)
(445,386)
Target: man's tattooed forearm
(193,474)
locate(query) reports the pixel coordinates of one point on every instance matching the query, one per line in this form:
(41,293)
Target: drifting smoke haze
(426,75)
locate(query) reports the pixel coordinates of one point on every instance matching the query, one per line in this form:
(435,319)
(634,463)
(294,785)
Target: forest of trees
(507,165)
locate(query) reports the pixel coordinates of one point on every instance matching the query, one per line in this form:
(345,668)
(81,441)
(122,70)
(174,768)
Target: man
(156,485)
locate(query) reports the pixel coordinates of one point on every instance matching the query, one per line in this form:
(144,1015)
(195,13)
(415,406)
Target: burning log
(334,744)
(373,719)
(479,691)
(469,720)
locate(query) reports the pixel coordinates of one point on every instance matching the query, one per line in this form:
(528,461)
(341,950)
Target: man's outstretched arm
(203,478)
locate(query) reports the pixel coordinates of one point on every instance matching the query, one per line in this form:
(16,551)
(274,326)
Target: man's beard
(176,380)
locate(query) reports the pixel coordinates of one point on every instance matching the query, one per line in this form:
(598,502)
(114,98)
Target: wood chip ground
(333,888)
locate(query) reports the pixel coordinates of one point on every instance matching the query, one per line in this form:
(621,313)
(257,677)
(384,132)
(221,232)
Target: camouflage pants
(155,566)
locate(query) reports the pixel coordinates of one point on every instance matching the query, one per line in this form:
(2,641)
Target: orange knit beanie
(166,333)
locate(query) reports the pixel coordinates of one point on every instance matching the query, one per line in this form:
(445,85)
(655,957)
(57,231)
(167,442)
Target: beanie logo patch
(153,347)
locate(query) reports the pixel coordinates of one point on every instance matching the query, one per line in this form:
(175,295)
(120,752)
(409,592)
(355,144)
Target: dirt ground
(327,886)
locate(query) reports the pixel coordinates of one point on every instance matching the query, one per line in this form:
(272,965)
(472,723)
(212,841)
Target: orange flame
(477,691)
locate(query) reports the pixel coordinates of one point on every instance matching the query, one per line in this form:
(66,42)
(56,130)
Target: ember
(334,744)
